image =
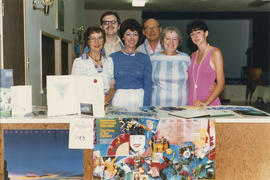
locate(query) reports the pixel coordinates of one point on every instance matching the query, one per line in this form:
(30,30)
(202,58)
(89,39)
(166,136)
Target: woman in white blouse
(94,62)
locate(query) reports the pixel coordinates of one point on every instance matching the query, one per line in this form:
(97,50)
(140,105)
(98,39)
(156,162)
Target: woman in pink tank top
(206,68)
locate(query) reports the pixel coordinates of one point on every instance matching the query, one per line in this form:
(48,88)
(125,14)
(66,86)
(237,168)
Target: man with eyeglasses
(151,30)
(110,23)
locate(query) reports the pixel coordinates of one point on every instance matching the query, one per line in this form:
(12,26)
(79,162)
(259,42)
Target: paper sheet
(21,100)
(61,99)
(71,94)
(81,135)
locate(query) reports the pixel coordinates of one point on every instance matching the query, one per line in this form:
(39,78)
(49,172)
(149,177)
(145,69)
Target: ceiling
(180,5)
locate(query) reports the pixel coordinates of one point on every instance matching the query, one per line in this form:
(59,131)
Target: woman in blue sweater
(132,70)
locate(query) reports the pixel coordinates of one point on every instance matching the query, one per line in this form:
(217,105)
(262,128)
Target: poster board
(147,148)
(70,94)
(87,154)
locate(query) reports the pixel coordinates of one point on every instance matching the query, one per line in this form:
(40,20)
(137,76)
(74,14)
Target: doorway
(13,39)
(48,59)
(64,58)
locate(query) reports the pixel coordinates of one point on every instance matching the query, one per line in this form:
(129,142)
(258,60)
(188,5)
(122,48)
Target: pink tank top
(205,78)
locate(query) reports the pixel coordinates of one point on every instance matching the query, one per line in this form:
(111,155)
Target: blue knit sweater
(133,71)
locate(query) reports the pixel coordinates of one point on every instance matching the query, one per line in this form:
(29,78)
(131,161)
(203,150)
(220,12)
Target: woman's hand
(200,103)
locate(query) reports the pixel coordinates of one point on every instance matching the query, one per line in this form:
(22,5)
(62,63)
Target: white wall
(231,36)
(36,22)
(91,17)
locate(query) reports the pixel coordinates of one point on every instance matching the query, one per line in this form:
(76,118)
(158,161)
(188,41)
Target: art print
(41,154)
(6,81)
(170,149)
(86,109)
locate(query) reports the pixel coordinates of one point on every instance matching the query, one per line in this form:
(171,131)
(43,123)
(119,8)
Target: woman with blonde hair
(170,76)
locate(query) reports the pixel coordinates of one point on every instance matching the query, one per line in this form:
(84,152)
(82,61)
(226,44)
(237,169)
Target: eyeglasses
(129,34)
(109,22)
(92,39)
(151,28)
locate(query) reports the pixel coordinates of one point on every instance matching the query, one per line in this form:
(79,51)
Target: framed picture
(39,151)
(60,15)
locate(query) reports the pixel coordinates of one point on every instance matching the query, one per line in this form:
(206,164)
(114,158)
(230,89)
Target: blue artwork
(41,154)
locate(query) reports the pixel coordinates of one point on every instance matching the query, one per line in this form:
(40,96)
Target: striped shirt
(170,79)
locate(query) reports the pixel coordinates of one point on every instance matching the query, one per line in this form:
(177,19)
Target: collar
(85,56)
(129,54)
(118,41)
(149,48)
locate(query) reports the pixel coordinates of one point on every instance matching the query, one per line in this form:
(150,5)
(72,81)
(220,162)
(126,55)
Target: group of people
(154,73)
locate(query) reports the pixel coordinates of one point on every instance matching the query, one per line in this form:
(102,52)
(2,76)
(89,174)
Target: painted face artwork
(137,143)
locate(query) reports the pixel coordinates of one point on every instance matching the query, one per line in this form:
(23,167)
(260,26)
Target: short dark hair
(93,29)
(196,25)
(132,25)
(107,13)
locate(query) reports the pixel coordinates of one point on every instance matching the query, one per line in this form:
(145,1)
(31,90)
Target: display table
(262,92)
(242,144)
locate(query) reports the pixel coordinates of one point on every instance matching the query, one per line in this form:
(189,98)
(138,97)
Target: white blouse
(86,67)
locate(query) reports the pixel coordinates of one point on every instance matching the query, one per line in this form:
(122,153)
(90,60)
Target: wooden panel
(13,39)
(242,151)
(88,164)
(88,154)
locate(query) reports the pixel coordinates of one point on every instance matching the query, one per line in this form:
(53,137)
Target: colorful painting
(41,154)
(147,148)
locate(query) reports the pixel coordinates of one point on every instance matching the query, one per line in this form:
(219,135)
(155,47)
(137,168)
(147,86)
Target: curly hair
(93,29)
(132,25)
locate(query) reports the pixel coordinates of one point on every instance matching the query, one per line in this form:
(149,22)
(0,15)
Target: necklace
(97,62)
(96,59)
(197,75)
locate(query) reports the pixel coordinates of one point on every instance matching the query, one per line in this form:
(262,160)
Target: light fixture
(138,3)
(45,3)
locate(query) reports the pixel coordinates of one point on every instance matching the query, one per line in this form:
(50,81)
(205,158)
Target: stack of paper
(190,113)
